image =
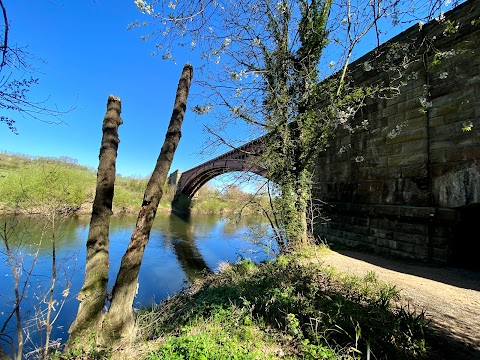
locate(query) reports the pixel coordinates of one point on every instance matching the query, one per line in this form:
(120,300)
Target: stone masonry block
(440,255)
(421,252)
(415,147)
(406,135)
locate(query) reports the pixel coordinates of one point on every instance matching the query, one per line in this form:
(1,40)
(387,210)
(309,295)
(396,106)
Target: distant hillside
(29,183)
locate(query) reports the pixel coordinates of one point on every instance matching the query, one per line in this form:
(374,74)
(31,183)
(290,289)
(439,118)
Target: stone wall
(409,185)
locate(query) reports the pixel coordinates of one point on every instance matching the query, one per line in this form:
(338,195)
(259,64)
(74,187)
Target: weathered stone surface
(419,165)
(407,184)
(458,188)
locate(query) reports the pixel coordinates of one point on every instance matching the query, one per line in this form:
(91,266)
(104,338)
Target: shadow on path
(450,298)
(464,278)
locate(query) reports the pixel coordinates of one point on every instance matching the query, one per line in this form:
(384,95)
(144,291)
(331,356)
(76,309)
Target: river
(178,252)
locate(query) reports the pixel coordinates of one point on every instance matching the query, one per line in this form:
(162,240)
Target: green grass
(26,182)
(228,334)
(43,183)
(29,183)
(287,308)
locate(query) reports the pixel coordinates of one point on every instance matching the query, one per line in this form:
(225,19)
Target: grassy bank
(287,309)
(231,200)
(29,184)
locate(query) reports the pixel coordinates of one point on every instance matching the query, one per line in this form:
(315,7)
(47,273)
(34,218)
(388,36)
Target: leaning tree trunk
(93,294)
(118,324)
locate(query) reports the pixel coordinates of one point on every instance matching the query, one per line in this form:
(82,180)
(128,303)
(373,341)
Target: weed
(303,310)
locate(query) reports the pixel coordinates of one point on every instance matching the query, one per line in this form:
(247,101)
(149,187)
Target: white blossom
(367,66)
(413,76)
(440,17)
(344,148)
(397,130)
(446,54)
(425,103)
(238,75)
(144,7)
(172,6)
(227,42)
(332,64)
(167,55)
(443,75)
(202,109)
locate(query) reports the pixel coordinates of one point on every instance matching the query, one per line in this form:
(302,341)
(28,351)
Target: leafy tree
(266,67)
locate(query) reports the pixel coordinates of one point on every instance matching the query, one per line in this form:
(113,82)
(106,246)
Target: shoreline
(123,211)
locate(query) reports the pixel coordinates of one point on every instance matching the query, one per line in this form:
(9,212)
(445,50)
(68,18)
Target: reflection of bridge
(185,248)
(239,159)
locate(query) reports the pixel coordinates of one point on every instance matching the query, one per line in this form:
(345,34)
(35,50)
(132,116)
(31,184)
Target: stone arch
(192,181)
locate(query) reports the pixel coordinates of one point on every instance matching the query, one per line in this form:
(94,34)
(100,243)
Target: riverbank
(290,308)
(36,185)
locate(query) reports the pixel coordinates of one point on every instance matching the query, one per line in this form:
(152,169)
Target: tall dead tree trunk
(93,294)
(118,324)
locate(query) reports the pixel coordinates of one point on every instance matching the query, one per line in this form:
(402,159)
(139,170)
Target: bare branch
(5,36)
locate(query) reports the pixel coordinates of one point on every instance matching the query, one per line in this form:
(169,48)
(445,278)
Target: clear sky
(89,54)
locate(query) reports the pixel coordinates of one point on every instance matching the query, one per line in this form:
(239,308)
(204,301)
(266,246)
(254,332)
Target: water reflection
(33,231)
(178,252)
(181,234)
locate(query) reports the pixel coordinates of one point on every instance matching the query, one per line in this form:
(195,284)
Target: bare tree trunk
(93,294)
(119,322)
(48,322)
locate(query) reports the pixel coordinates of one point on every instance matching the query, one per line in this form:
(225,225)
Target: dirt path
(449,296)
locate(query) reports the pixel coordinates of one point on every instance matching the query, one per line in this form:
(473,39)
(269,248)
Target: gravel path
(449,296)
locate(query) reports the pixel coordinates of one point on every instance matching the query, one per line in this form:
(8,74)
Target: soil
(449,297)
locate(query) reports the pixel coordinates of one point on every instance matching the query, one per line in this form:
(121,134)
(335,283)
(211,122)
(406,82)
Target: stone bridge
(239,159)
(409,185)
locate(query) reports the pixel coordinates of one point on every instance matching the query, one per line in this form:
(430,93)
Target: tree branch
(5,36)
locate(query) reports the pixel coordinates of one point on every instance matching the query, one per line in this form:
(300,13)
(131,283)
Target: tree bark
(118,325)
(93,294)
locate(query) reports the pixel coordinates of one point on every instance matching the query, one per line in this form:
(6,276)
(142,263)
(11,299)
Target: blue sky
(89,54)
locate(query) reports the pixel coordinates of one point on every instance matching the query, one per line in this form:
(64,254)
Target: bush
(48,184)
(312,313)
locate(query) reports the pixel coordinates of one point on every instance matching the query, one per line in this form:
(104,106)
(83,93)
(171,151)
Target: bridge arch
(243,158)
(191,181)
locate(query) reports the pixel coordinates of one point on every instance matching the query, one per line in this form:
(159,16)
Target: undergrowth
(283,309)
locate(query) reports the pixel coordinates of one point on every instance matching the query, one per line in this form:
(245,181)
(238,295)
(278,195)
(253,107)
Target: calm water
(178,252)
